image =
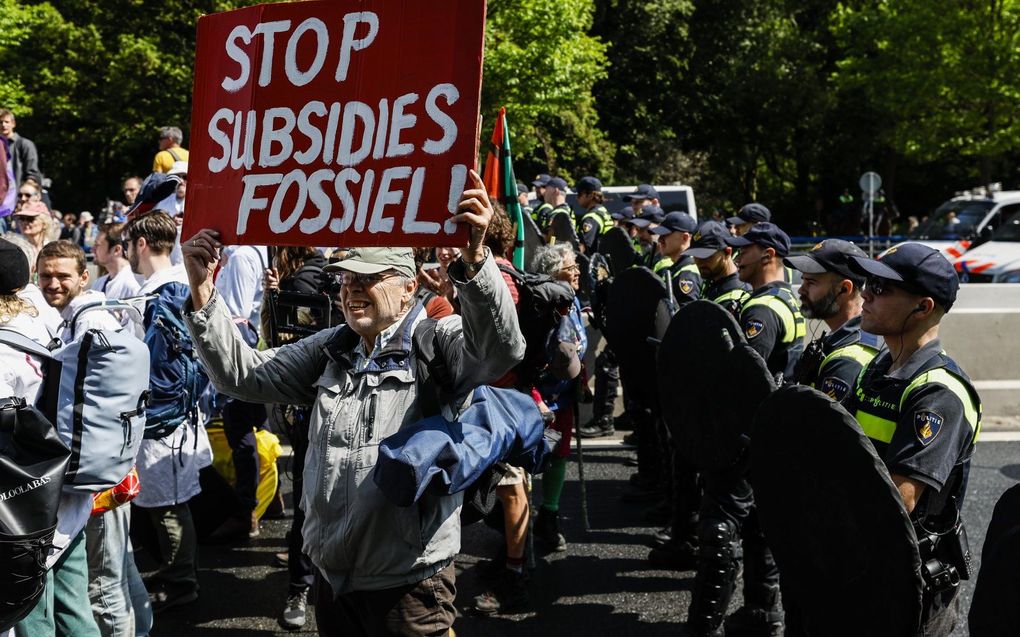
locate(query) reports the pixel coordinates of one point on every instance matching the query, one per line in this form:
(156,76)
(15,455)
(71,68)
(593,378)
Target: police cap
(644,191)
(831,255)
(751,213)
(588,184)
(676,222)
(710,238)
(766,235)
(917,269)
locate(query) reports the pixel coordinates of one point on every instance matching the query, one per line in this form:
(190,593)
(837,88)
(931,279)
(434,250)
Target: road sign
(870,182)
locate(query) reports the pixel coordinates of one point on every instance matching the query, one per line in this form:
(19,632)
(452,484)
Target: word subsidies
(323,127)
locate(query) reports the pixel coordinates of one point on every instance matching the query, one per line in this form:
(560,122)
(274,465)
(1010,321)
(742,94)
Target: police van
(998,259)
(967,220)
(670,198)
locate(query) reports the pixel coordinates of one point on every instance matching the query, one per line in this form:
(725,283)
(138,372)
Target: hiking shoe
(294,611)
(508,595)
(754,620)
(674,556)
(600,428)
(547,530)
(165,597)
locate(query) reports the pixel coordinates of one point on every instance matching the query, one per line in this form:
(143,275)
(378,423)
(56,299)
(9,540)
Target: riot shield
(833,519)
(587,283)
(634,298)
(710,383)
(561,226)
(993,608)
(617,247)
(532,240)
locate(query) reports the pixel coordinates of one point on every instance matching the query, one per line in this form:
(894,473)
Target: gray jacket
(352,533)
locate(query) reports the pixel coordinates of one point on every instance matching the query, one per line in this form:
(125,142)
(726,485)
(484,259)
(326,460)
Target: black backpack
(33,461)
(542,302)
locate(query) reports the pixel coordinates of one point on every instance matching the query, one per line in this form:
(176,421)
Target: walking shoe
(599,428)
(281,559)
(166,596)
(509,594)
(631,439)
(675,556)
(757,621)
(547,530)
(294,611)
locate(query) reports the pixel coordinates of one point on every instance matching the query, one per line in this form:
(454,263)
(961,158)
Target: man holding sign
(382,569)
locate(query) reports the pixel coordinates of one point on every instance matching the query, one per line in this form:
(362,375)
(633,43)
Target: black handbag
(33,461)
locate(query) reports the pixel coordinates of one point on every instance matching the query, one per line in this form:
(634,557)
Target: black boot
(597,428)
(761,614)
(547,530)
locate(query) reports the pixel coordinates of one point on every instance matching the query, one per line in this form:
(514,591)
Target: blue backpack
(176,378)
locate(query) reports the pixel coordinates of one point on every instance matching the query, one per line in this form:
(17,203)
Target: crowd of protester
(303,342)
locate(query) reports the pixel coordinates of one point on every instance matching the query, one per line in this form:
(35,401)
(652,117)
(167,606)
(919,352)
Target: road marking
(996,384)
(999,436)
(986,310)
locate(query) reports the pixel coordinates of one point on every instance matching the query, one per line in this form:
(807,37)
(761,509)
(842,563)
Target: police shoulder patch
(587,227)
(686,286)
(753,327)
(834,388)
(927,425)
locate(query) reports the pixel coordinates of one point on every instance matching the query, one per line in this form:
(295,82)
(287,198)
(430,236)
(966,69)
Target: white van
(966,221)
(997,260)
(670,198)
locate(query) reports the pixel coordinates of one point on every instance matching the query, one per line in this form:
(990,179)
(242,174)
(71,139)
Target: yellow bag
(269,449)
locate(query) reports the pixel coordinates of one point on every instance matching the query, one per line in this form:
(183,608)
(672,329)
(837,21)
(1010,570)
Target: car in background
(967,220)
(995,261)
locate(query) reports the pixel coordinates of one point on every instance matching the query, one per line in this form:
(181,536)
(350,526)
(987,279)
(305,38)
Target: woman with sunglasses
(33,221)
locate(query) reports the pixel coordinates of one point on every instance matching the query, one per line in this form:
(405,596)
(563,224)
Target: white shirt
(168,468)
(239,281)
(123,286)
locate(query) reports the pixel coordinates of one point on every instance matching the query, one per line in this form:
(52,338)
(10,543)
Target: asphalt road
(602,585)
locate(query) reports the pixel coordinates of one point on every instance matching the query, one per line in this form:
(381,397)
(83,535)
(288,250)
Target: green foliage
(541,63)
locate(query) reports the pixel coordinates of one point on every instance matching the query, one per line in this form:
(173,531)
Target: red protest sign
(332,123)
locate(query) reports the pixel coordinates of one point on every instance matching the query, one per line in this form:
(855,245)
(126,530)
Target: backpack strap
(432,375)
(173,154)
(108,305)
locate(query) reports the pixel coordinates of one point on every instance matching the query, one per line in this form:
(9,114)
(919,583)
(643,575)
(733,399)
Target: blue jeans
(63,609)
(120,603)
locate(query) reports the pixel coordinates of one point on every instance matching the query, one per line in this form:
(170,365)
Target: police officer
(541,212)
(522,198)
(771,318)
(556,196)
(674,234)
(714,260)
(773,325)
(650,216)
(831,291)
(748,215)
(596,220)
(642,196)
(921,412)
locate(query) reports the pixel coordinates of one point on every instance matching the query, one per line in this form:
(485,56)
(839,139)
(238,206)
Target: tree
(943,75)
(541,63)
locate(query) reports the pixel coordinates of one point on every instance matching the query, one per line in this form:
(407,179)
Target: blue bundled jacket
(445,457)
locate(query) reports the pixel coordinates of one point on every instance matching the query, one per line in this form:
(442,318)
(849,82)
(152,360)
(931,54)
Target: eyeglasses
(22,219)
(571,268)
(26,195)
(362,280)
